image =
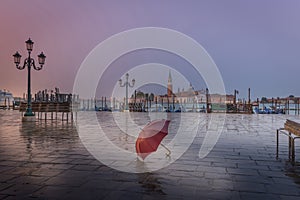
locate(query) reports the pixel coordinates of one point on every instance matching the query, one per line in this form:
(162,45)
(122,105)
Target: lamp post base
(28,118)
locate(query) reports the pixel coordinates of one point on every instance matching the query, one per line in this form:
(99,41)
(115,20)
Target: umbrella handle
(169,152)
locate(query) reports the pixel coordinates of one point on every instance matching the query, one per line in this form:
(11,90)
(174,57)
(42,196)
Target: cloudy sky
(254,43)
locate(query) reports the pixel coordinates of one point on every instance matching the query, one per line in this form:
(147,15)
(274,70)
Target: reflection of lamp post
(29,62)
(126,84)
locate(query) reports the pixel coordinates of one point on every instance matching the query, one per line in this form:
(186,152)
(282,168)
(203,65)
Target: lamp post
(29,62)
(126,84)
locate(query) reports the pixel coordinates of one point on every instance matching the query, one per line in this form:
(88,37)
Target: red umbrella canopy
(151,136)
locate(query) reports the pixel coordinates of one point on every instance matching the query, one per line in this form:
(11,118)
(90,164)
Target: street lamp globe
(41,58)
(29,45)
(17,58)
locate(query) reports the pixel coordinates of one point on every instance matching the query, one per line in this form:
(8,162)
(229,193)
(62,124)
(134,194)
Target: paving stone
(100,185)
(217,194)
(21,190)
(221,184)
(56,166)
(3,196)
(212,175)
(36,180)
(4,169)
(270,173)
(10,163)
(46,172)
(242,172)
(252,196)
(283,181)
(87,193)
(283,189)
(85,167)
(53,192)
(4,186)
(250,187)
(253,179)
(289,197)
(6,177)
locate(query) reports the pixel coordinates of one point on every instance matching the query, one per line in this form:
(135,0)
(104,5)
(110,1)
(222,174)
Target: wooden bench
(53,108)
(22,107)
(292,130)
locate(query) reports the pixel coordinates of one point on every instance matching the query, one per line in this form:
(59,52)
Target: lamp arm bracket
(24,65)
(34,66)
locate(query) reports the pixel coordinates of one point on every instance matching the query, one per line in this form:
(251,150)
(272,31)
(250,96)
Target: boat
(106,109)
(6,99)
(268,110)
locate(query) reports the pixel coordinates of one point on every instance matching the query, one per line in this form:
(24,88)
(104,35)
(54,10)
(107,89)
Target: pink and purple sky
(254,43)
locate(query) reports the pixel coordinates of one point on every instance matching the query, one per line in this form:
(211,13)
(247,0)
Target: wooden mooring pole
(298,105)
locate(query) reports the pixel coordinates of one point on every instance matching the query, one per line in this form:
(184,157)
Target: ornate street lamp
(29,62)
(126,84)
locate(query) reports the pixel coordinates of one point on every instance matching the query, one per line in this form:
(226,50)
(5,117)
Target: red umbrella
(151,136)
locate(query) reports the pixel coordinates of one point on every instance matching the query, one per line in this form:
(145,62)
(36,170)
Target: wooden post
(56,110)
(288,106)
(293,150)
(207,101)
(162,103)
(249,99)
(295,105)
(168,103)
(156,103)
(83,105)
(249,109)
(51,107)
(298,105)
(290,142)
(234,100)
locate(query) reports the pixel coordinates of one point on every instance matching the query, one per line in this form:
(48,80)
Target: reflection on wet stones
(151,183)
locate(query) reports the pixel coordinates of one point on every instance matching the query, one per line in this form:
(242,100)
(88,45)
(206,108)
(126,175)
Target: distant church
(170,86)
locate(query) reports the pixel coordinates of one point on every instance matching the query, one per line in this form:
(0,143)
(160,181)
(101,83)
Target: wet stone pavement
(47,160)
